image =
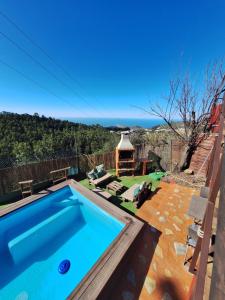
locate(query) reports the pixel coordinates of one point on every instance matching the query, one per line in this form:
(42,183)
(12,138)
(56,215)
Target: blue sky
(120,53)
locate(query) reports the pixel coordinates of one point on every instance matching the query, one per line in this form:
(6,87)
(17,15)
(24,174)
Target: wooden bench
(100,180)
(141,195)
(129,194)
(59,175)
(26,187)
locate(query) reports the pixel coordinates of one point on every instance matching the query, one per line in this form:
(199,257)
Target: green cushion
(96,174)
(153,188)
(136,191)
(142,185)
(100,168)
(92,174)
(100,171)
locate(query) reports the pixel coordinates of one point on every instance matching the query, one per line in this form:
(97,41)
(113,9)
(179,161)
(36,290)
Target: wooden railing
(216,184)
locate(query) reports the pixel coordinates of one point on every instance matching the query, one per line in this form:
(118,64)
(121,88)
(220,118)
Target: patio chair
(98,176)
(142,196)
(136,193)
(130,193)
(99,181)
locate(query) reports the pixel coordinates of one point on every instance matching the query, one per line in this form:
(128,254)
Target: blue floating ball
(64,266)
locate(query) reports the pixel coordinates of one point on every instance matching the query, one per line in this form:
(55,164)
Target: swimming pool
(37,237)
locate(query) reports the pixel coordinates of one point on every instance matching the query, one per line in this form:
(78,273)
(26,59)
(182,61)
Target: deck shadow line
(168,286)
(134,271)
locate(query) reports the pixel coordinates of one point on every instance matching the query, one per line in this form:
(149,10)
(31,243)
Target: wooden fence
(39,171)
(168,155)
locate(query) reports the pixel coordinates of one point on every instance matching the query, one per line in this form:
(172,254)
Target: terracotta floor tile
(155,271)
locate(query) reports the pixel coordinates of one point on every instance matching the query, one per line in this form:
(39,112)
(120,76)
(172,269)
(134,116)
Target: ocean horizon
(119,122)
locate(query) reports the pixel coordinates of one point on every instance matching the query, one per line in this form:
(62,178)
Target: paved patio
(155,270)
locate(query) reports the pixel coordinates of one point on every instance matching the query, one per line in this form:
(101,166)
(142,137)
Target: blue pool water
(38,237)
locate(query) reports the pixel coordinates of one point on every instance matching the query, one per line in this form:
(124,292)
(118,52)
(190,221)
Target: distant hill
(117,128)
(32,137)
(178,124)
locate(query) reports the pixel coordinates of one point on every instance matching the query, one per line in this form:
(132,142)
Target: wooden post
(144,167)
(216,180)
(195,256)
(207,229)
(211,161)
(217,290)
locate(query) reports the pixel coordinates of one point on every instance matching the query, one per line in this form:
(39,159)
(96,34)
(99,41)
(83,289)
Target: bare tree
(192,106)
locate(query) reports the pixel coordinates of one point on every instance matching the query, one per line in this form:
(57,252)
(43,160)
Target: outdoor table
(145,162)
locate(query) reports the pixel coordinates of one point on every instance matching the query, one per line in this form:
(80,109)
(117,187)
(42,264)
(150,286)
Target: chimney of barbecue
(125,156)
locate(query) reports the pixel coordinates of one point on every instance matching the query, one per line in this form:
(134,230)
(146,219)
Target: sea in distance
(119,122)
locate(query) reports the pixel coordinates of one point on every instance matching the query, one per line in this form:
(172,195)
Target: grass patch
(3,206)
(128,206)
(128,181)
(86,184)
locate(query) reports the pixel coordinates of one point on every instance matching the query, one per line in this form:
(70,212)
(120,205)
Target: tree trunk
(186,157)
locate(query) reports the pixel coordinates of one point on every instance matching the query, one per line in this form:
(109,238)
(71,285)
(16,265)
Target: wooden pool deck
(155,270)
